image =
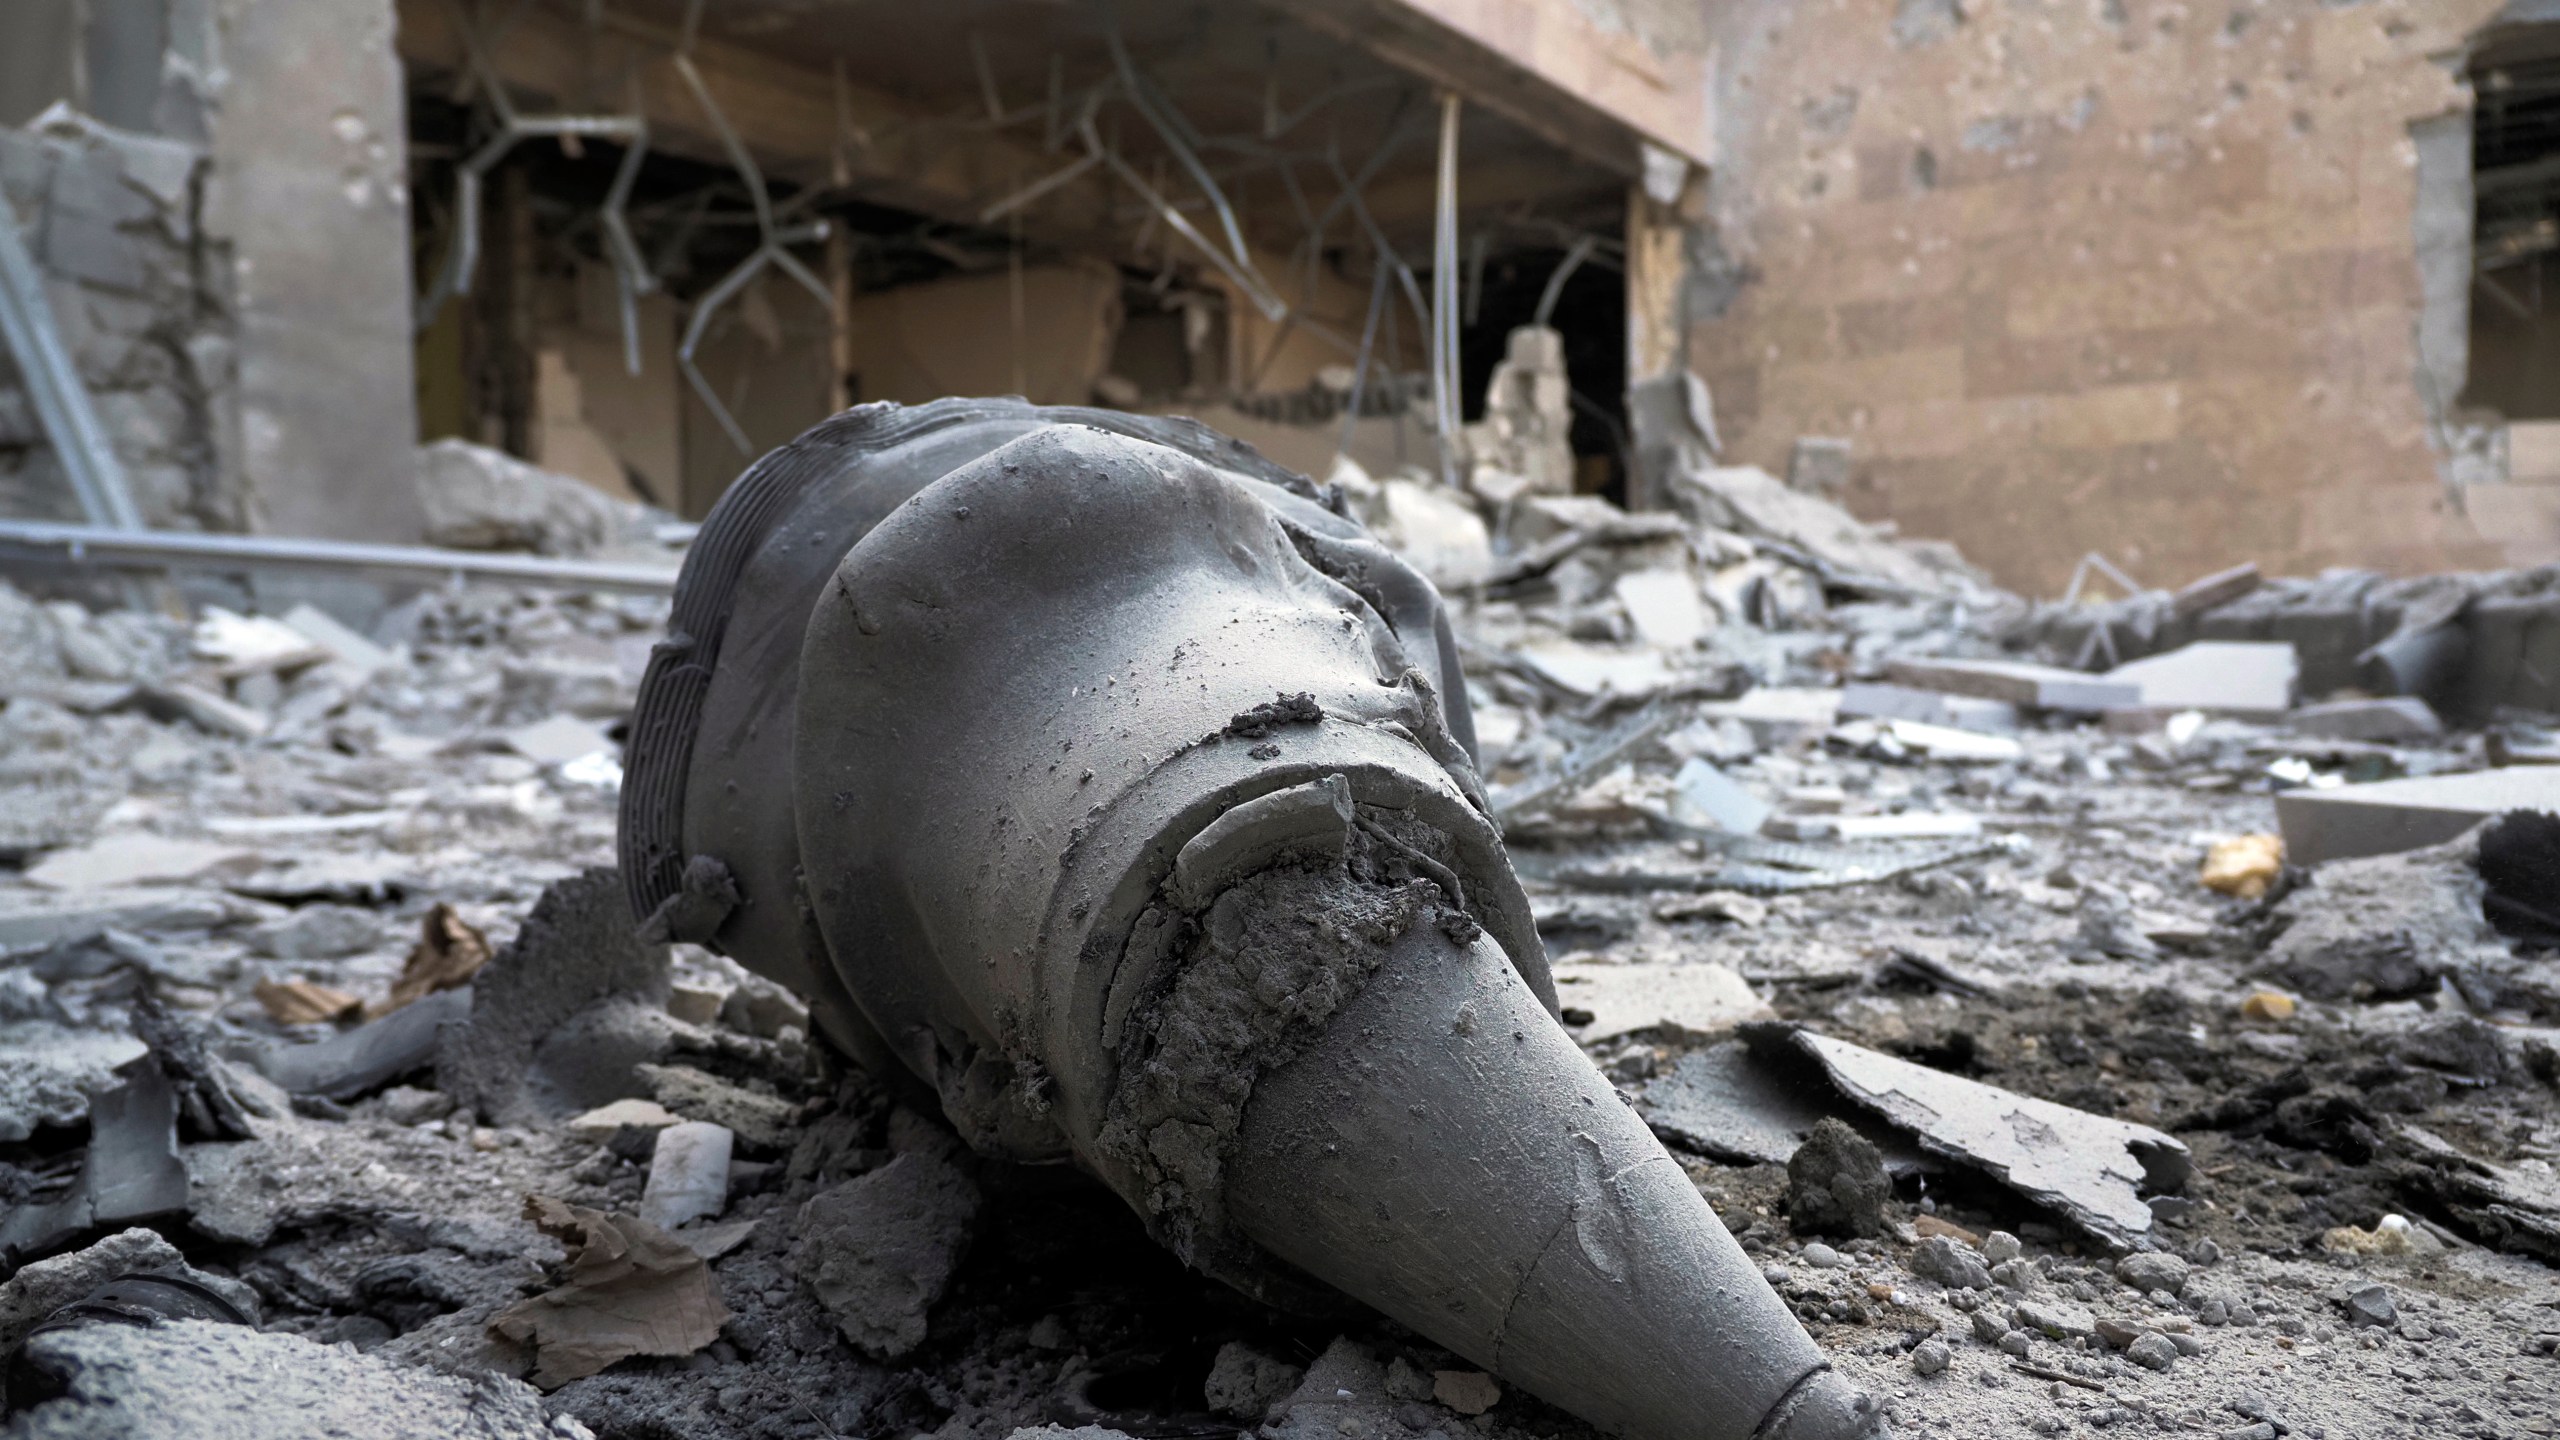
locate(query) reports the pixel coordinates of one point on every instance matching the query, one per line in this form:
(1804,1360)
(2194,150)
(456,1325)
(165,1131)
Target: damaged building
(1400,719)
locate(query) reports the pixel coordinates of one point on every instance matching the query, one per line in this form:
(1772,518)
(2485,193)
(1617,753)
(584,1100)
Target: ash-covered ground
(234,873)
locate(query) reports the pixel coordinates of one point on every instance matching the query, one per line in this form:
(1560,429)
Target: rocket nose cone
(1444,1152)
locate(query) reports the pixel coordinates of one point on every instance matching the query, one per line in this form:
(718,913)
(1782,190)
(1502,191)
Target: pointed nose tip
(1444,1152)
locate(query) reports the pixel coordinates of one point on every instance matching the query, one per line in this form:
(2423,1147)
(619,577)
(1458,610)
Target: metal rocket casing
(967,715)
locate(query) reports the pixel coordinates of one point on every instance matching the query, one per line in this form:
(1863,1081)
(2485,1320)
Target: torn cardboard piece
(631,1289)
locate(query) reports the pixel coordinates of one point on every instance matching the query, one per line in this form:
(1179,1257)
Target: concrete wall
(311,194)
(137,290)
(2137,276)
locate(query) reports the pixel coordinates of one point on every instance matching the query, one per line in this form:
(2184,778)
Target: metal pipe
(1444,291)
(1572,261)
(1272,306)
(1368,342)
(54,386)
(137,549)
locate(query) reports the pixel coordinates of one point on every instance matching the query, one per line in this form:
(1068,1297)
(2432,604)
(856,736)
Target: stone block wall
(2136,276)
(137,290)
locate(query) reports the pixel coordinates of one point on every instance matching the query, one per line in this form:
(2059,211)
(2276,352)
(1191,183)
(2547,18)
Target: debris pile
(2037,1040)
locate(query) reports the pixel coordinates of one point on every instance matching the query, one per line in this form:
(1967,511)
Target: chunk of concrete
(1666,608)
(134,858)
(1243,1381)
(1588,670)
(1438,531)
(2088,1168)
(1751,1105)
(213,1381)
(2390,816)
(1836,1183)
(1868,701)
(763,1121)
(557,740)
(2247,679)
(477,498)
(563,1016)
(879,1250)
(1703,796)
(2383,927)
(1777,715)
(39,1289)
(1695,999)
(2033,687)
(2393,718)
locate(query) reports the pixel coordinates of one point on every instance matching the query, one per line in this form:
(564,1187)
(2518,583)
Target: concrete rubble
(1991,1089)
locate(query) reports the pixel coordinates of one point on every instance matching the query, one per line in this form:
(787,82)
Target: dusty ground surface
(391,1225)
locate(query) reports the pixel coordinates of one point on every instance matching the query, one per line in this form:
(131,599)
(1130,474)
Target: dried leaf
(448,953)
(632,1289)
(303,1002)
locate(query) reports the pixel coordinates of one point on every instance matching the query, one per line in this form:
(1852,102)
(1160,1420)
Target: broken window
(2515,279)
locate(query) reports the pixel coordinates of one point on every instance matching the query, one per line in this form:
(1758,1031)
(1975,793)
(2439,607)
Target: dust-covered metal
(1094,770)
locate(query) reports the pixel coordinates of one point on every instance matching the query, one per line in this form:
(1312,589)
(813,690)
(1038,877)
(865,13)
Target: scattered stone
(1930,1357)
(1243,1382)
(1950,1263)
(1988,1327)
(1837,1183)
(2150,1270)
(2152,1351)
(2250,679)
(409,1105)
(2055,1318)
(2372,1305)
(2016,1343)
(317,932)
(1469,1392)
(2091,1169)
(762,1121)
(1822,1257)
(1999,1247)
(606,1121)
